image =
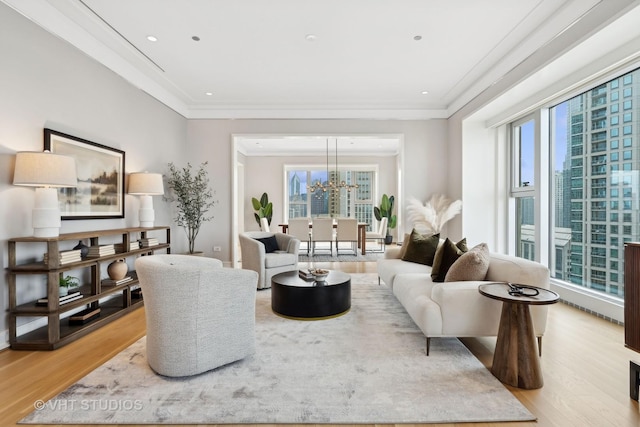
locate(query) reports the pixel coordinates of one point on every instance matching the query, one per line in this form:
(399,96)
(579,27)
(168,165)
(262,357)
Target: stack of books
(65,299)
(84,316)
(101,250)
(66,256)
(132,247)
(150,241)
(111,282)
(305,274)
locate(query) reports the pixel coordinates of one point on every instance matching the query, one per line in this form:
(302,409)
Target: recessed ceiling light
(425,92)
(209,93)
(195,38)
(152,38)
(417,38)
(311,37)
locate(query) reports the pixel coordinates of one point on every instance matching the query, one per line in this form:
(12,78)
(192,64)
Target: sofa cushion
(445,256)
(388,269)
(421,248)
(270,243)
(472,265)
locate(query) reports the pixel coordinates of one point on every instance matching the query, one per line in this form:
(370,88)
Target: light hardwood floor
(584,363)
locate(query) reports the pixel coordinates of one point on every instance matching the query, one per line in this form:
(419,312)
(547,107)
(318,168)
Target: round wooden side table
(515,360)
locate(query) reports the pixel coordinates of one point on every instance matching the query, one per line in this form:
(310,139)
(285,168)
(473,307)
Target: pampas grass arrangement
(434,214)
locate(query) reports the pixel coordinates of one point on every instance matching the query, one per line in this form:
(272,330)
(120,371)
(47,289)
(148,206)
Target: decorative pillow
(421,248)
(445,256)
(472,265)
(270,243)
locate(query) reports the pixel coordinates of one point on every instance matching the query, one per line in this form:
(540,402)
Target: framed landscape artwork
(100,169)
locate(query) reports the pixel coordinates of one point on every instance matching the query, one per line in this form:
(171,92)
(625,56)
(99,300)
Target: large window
(355,202)
(595,146)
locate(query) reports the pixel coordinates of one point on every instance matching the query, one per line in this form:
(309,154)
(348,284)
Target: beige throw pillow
(472,265)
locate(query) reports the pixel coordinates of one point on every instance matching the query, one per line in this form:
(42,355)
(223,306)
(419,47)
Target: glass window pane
(592,225)
(525,243)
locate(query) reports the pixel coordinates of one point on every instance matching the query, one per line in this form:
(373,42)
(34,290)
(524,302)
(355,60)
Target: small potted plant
(194,198)
(385,210)
(66,283)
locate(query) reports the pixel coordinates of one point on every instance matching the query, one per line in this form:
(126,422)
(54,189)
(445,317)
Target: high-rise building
(601,195)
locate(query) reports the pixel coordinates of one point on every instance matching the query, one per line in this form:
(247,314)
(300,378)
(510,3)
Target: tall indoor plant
(385,210)
(263,208)
(193,196)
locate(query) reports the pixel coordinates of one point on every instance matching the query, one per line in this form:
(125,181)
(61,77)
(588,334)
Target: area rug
(367,366)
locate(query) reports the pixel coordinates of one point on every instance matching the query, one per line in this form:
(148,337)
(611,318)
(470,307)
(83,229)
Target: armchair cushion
(270,243)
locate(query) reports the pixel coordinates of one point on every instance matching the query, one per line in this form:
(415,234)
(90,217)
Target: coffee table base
(294,298)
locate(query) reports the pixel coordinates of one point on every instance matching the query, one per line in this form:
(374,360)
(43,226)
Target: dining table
(362,234)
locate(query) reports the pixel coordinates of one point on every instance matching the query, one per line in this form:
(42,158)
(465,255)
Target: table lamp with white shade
(47,172)
(145,185)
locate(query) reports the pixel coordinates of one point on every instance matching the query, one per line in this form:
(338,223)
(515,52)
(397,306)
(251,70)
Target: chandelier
(331,184)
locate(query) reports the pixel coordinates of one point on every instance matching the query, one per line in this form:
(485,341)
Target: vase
(84,249)
(63,291)
(117,269)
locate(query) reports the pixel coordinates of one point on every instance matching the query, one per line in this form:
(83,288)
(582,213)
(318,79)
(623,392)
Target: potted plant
(263,208)
(67,282)
(194,198)
(385,210)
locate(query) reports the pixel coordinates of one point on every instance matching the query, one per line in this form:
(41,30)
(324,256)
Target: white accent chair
(264,225)
(299,228)
(267,264)
(321,231)
(379,235)
(347,231)
(199,315)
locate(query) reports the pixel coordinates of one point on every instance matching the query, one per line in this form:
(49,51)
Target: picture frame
(100,169)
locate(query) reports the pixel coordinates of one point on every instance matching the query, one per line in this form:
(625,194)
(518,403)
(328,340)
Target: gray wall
(45,83)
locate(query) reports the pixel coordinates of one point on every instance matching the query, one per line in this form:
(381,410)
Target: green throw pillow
(421,248)
(445,256)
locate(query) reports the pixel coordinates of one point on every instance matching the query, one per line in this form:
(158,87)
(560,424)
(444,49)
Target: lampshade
(145,183)
(44,169)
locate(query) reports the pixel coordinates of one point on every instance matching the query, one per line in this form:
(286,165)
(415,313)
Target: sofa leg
(378,280)
(540,346)
(428,344)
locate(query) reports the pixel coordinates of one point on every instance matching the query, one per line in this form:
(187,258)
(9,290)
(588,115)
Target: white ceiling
(255,59)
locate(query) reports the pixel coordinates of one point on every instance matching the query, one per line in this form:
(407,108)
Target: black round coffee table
(294,297)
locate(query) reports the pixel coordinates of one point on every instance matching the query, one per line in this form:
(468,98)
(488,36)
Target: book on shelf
(120,247)
(72,296)
(66,257)
(150,241)
(84,316)
(100,250)
(136,293)
(111,282)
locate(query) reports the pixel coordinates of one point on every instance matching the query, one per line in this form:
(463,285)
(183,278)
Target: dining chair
(379,235)
(299,228)
(321,231)
(347,231)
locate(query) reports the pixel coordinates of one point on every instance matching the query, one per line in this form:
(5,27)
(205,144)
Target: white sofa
(457,309)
